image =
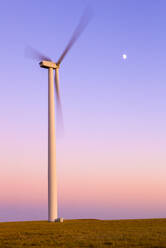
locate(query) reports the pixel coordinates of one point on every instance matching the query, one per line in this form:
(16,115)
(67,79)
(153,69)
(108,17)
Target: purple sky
(111,160)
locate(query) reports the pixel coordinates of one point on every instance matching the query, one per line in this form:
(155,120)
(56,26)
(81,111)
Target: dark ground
(150,233)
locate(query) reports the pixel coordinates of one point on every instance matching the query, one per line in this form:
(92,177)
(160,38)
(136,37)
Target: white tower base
(59,220)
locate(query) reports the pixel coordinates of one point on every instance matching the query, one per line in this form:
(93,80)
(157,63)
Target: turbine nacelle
(48,64)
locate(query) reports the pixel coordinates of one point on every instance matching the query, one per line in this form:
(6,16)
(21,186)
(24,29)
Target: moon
(124,56)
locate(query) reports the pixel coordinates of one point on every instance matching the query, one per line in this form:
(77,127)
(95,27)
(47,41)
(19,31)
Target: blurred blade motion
(34,54)
(60,126)
(85,19)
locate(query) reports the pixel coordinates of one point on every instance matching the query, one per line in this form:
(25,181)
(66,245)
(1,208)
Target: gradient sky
(111,162)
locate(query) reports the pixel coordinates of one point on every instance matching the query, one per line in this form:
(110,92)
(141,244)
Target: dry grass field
(150,233)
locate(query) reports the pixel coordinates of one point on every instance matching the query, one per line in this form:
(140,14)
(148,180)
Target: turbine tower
(46,63)
(52,182)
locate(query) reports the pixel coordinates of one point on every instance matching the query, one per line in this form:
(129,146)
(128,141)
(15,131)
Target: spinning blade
(60,126)
(34,54)
(86,17)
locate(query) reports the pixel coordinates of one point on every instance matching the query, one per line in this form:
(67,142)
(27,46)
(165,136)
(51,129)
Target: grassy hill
(150,233)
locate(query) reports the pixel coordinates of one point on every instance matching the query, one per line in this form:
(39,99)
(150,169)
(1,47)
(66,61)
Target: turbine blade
(60,126)
(85,19)
(34,54)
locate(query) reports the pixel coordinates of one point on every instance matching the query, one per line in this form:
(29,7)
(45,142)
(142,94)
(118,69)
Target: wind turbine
(46,62)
